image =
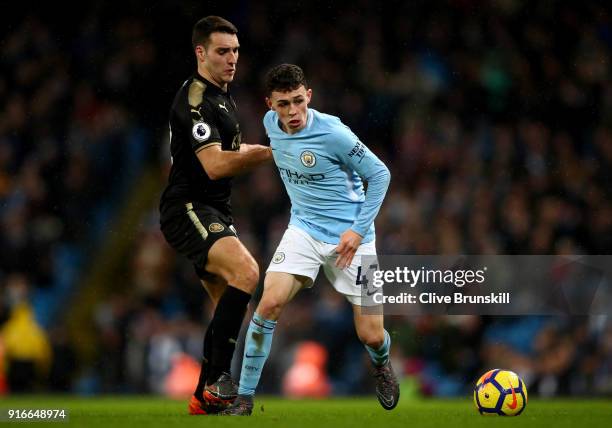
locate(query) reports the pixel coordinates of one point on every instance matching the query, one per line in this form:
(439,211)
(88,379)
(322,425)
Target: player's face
(292,108)
(218,61)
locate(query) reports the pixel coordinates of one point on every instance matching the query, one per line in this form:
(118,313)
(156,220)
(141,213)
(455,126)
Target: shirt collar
(211,86)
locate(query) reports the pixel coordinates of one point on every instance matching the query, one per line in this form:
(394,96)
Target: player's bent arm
(351,152)
(219,163)
(378,183)
(378,180)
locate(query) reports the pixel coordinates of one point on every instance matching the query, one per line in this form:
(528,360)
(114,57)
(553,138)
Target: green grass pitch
(130,411)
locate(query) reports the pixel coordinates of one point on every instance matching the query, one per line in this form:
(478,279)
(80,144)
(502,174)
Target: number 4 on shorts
(363,279)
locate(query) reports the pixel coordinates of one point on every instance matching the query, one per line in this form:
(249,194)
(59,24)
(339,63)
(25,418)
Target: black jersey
(202,115)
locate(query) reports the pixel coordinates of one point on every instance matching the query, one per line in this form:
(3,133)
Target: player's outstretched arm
(218,163)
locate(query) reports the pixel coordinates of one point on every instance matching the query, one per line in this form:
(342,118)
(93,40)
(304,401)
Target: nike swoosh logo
(388,403)
(368,293)
(254,356)
(514,402)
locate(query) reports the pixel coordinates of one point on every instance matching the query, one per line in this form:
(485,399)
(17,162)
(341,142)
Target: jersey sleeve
(201,120)
(351,152)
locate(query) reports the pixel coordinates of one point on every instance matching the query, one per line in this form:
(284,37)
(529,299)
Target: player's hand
(347,247)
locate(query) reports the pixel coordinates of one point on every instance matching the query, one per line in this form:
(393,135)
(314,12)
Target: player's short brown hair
(208,25)
(285,78)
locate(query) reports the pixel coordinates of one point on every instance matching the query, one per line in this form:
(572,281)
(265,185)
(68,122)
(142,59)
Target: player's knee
(270,307)
(246,276)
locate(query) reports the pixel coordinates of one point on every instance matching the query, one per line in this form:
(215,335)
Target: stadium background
(494,118)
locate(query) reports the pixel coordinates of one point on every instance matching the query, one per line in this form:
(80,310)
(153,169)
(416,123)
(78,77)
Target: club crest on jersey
(201,131)
(279,257)
(216,227)
(308,159)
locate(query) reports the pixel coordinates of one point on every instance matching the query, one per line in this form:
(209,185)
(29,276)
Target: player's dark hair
(285,78)
(208,25)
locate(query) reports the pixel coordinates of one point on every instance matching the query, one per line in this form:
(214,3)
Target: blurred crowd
(70,147)
(495,119)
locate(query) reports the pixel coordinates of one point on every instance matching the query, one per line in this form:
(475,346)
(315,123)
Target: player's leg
(369,328)
(202,235)
(377,342)
(294,266)
(371,333)
(214,286)
(188,235)
(279,289)
(230,260)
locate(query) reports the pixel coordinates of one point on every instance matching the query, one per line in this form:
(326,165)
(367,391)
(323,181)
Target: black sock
(206,357)
(227,322)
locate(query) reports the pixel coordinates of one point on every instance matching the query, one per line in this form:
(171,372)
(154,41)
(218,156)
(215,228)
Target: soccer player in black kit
(195,210)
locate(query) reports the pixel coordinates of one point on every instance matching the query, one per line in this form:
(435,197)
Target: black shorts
(194,231)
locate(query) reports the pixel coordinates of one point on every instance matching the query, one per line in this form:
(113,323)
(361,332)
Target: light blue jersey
(322,166)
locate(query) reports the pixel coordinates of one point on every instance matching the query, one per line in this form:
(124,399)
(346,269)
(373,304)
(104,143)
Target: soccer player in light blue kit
(321,163)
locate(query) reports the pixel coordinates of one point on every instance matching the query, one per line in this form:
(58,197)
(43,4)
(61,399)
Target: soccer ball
(500,392)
